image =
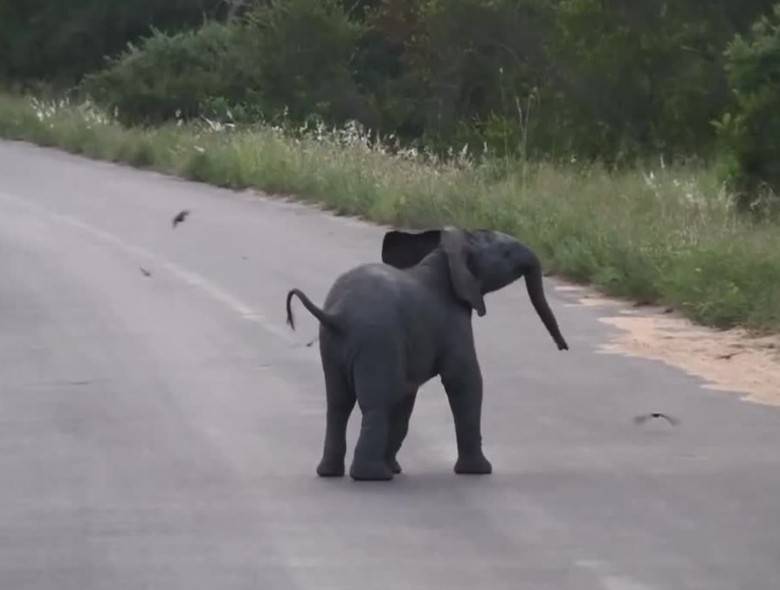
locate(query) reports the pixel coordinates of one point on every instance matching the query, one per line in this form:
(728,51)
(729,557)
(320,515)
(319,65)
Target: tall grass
(667,234)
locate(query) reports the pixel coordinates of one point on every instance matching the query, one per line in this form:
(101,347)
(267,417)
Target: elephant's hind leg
(376,387)
(341,401)
(399,426)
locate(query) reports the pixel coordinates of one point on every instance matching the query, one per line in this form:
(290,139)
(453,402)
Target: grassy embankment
(665,235)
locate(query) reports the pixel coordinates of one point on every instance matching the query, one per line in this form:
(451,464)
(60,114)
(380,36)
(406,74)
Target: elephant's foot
(394,465)
(374,471)
(475,464)
(331,468)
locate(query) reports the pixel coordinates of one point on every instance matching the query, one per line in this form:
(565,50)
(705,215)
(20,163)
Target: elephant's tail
(324,317)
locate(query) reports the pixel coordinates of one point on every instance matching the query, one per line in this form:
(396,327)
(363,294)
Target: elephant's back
(370,294)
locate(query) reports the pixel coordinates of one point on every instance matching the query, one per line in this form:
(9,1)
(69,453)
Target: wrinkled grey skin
(386,329)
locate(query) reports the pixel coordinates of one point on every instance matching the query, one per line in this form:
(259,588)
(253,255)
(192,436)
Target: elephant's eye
(506,253)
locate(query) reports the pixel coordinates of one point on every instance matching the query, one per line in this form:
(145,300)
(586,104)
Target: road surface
(162,431)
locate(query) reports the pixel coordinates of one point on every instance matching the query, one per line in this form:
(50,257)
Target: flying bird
(181,216)
(145,272)
(645,417)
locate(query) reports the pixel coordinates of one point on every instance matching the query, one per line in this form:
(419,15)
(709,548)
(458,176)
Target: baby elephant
(386,329)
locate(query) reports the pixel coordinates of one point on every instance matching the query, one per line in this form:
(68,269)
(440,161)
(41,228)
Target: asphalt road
(162,431)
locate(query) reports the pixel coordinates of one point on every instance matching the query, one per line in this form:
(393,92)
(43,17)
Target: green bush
(613,82)
(475,64)
(173,76)
(751,131)
(58,42)
(287,57)
(302,51)
(632,78)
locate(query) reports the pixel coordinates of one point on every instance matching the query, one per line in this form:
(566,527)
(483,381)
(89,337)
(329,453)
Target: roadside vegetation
(655,233)
(635,147)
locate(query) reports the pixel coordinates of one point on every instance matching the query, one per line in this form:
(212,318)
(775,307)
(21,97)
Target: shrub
(61,41)
(302,50)
(751,131)
(173,76)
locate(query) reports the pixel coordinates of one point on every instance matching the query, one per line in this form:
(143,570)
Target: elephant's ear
(404,249)
(467,287)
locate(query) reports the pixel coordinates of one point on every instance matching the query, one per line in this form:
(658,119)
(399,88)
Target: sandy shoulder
(730,360)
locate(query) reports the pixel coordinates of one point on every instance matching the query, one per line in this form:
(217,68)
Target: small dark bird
(145,272)
(310,344)
(181,216)
(645,417)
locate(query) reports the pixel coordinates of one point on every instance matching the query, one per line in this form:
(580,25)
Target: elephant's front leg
(463,383)
(399,426)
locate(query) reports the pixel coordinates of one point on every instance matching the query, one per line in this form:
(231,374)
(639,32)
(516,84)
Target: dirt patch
(596,301)
(729,360)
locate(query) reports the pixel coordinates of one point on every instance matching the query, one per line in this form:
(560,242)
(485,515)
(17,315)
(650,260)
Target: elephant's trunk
(533,282)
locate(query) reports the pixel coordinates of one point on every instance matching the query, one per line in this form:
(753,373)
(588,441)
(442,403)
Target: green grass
(667,235)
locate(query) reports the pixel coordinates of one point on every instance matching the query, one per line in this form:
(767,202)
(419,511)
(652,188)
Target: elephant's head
(480,262)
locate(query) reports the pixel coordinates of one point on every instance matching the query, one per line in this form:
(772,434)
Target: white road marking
(608,578)
(214,291)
